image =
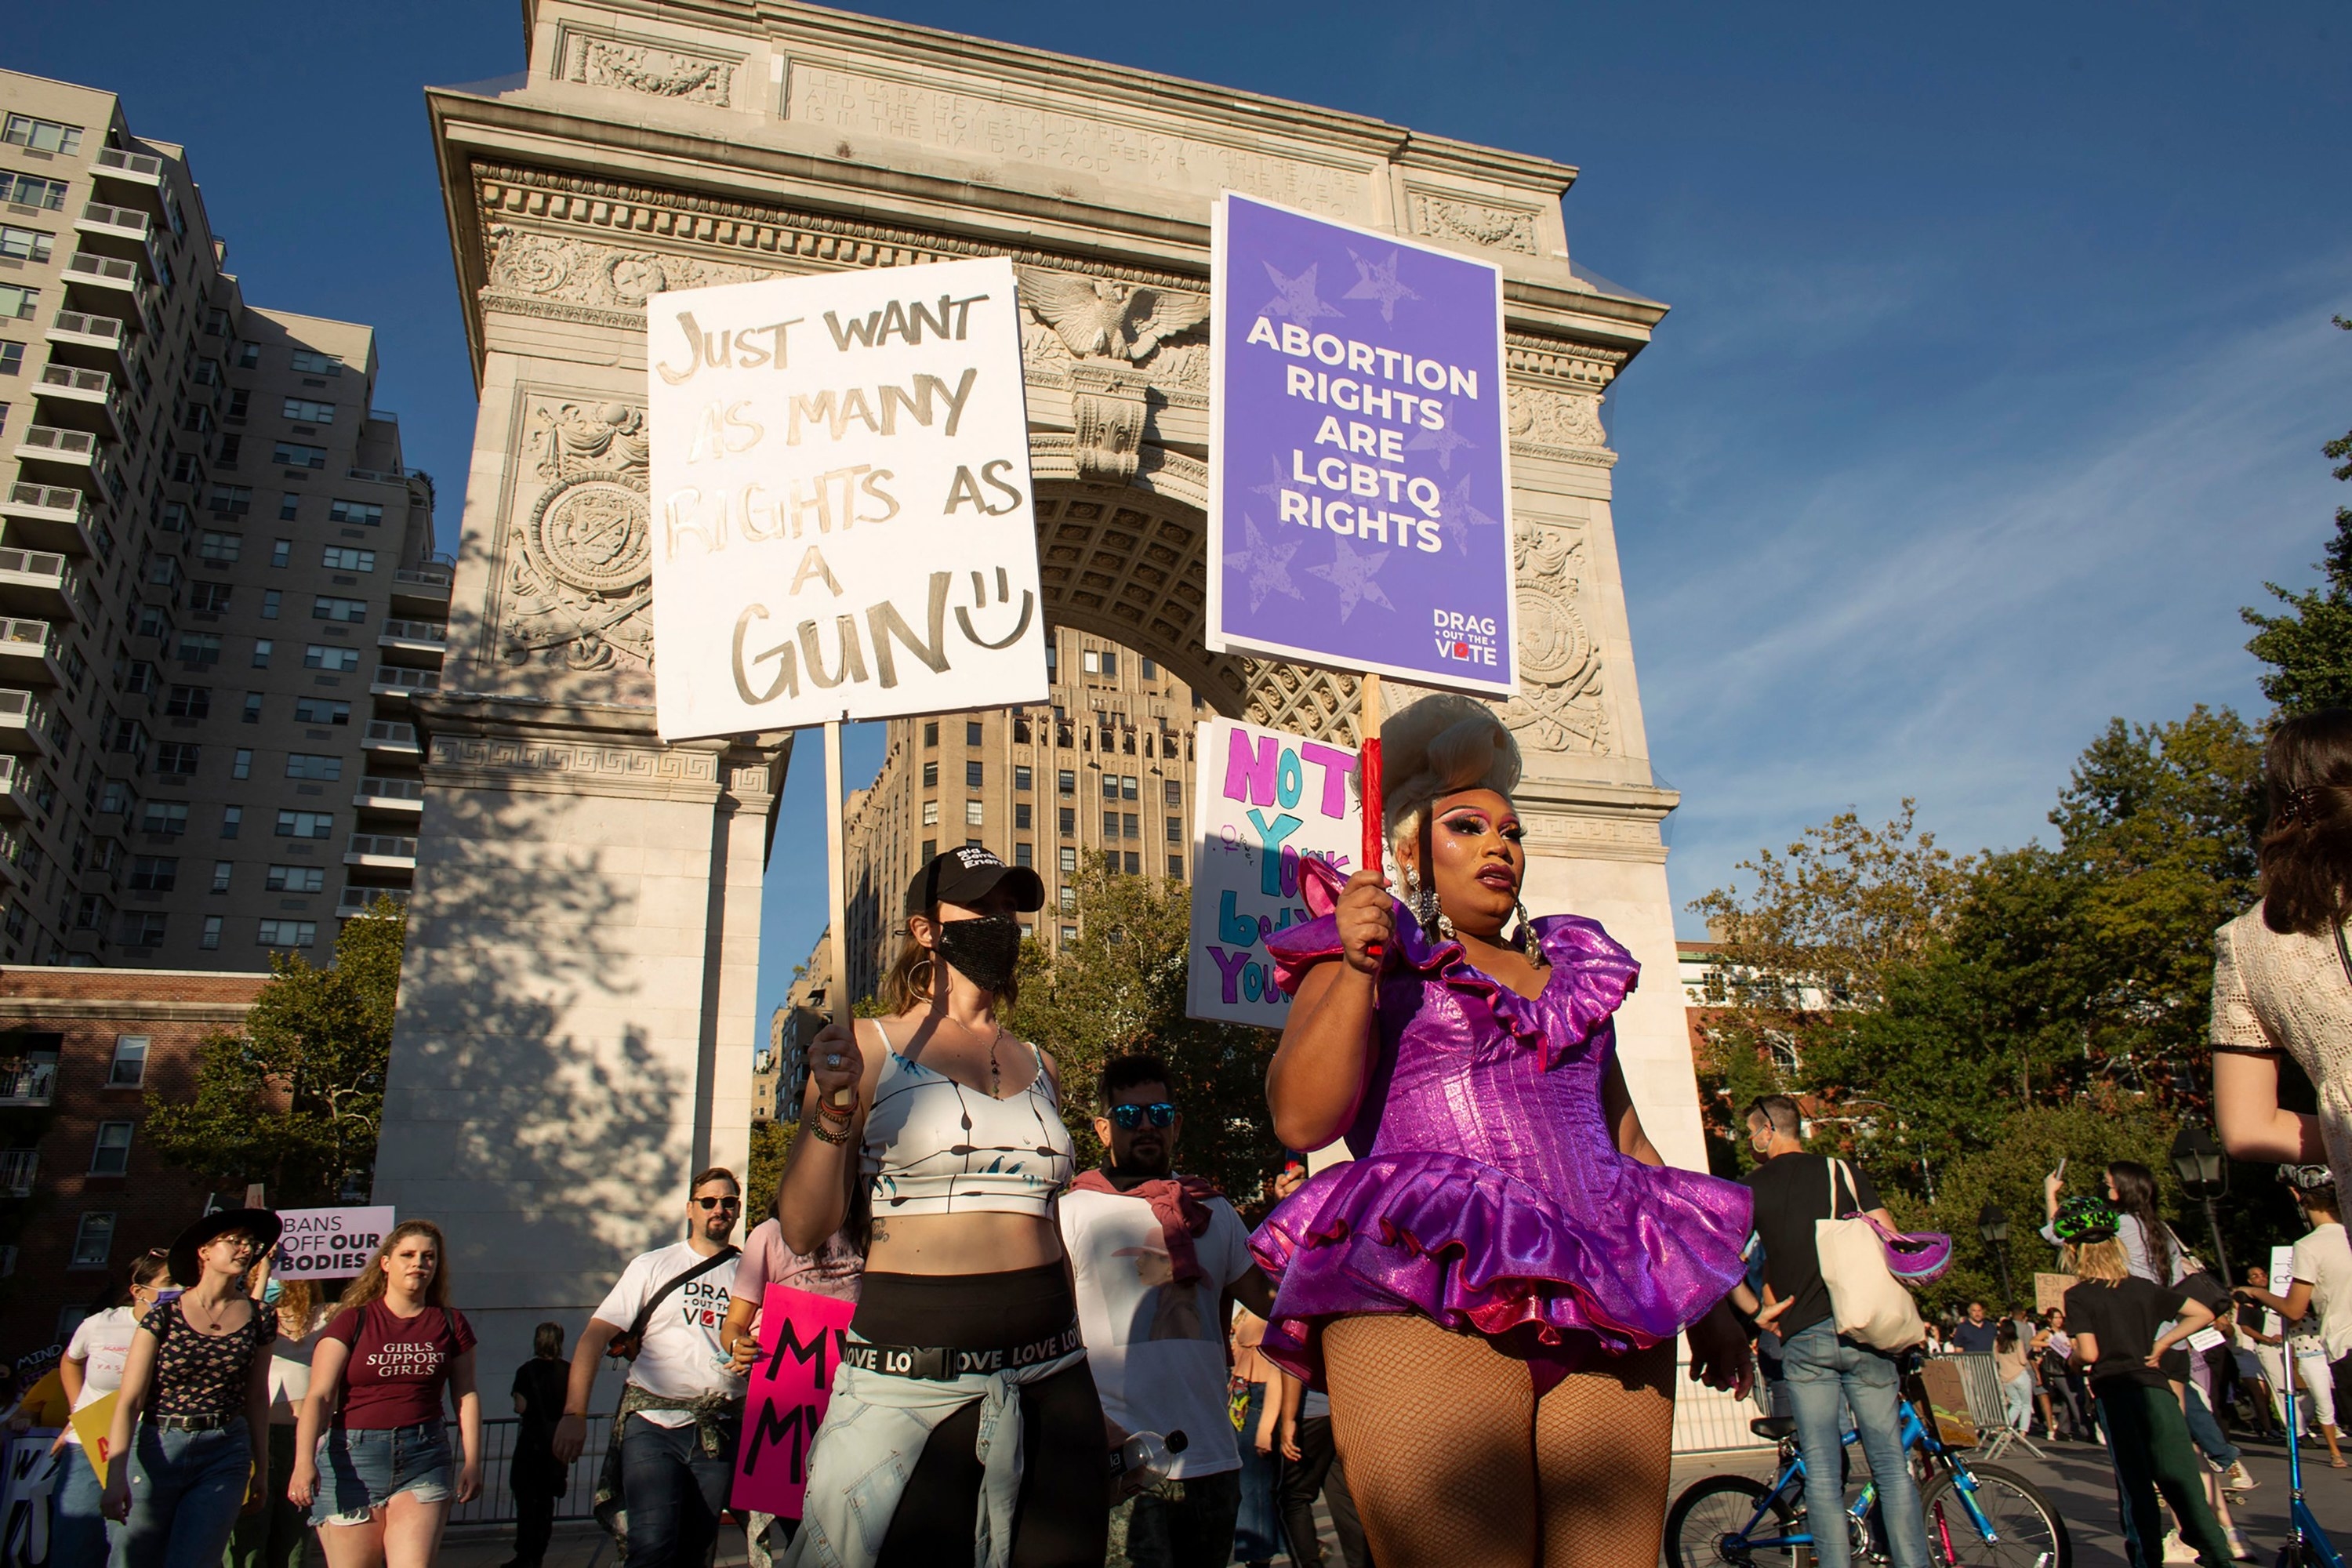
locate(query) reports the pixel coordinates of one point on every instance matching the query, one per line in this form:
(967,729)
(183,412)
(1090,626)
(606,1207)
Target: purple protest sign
(1359,472)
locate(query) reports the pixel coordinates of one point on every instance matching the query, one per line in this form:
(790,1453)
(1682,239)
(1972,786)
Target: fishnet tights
(1454,1463)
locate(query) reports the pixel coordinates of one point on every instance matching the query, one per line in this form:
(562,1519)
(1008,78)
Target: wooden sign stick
(1368,781)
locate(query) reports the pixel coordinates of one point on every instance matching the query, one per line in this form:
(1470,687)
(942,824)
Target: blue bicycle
(1980,1516)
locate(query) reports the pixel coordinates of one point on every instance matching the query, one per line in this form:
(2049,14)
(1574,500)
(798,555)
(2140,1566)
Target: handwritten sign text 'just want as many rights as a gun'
(842,519)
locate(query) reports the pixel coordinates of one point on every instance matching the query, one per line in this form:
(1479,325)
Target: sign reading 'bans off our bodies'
(1360,470)
(330,1244)
(842,515)
(1264,801)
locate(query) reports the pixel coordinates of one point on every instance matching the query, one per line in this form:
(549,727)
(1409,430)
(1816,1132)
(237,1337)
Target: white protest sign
(330,1244)
(842,519)
(1263,799)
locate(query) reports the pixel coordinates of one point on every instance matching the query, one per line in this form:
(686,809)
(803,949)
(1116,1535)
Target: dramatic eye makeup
(1471,822)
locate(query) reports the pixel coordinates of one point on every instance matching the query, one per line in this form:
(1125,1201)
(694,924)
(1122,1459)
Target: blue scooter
(2307,1545)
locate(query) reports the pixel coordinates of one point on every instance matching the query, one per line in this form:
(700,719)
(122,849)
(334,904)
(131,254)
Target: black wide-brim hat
(967,874)
(262,1225)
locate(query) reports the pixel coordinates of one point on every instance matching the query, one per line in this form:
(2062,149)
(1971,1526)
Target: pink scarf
(1179,1203)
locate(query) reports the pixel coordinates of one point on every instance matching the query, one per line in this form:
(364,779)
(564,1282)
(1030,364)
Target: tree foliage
(295,1100)
(2308,644)
(1119,989)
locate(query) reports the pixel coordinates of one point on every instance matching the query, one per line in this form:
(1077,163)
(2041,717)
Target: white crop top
(935,1146)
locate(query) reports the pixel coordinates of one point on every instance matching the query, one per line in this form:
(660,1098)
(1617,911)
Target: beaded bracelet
(819,1132)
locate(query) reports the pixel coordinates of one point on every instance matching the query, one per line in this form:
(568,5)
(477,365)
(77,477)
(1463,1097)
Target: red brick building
(80,1193)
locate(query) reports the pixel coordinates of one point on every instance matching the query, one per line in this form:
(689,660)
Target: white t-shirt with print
(102,1345)
(2324,1258)
(681,1358)
(1156,1351)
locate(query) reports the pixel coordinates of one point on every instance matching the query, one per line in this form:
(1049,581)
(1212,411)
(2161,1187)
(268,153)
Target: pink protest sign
(800,1338)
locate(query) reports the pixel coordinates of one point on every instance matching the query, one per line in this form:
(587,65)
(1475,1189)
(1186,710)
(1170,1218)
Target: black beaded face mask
(984,950)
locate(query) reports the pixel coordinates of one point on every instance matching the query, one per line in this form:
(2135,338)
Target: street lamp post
(2204,1175)
(1993,1226)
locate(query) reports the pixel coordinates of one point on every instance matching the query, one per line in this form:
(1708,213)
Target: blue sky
(1997,369)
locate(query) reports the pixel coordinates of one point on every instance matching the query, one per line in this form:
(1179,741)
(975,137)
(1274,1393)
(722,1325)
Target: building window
(1110,667)
(931,848)
(296,880)
(241,766)
(328,607)
(281,552)
(154,873)
(41,135)
(1069,900)
(128,1069)
(220,549)
(930,814)
(1151,671)
(17,303)
(310,362)
(1175,830)
(286,933)
(262,649)
(188,702)
(232,448)
(1021,815)
(320,710)
(1090,661)
(303,411)
(295,454)
(227,500)
(176,759)
(1025,855)
(209,598)
(1069,781)
(315,657)
(1176,868)
(930,731)
(211,939)
(1174,792)
(289,507)
(1069,933)
(1110,786)
(1133,863)
(337,558)
(110,1157)
(972,774)
(313,766)
(972,814)
(231,818)
(200,649)
(305,823)
(222,871)
(355,513)
(930,775)
(248,357)
(93,1239)
(1128,827)
(1110,824)
(24,244)
(1068,861)
(1021,780)
(270,599)
(12,358)
(972,732)
(1126,787)
(1070,823)
(142,928)
(164,816)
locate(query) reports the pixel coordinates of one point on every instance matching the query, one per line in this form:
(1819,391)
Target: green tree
(295,1099)
(1119,989)
(2308,645)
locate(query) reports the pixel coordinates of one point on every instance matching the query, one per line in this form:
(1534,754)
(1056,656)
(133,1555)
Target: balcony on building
(425,586)
(28,652)
(83,399)
(114,223)
(390,738)
(38,583)
(430,639)
(381,851)
(28,1078)
(116,281)
(113,163)
(48,516)
(19,1167)
(16,788)
(80,329)
(25,722)
(392,684)
(358,901)
(74,456)
(377,793)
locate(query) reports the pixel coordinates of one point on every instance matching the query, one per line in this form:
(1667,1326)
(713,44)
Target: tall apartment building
(217,584)
(1103,767)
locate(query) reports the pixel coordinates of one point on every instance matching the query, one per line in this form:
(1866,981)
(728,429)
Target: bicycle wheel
(1707,1527)
(2027,1529)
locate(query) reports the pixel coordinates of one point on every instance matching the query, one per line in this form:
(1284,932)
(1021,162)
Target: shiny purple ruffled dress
(1487,1193)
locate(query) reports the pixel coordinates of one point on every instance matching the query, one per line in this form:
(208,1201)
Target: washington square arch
(577,1009)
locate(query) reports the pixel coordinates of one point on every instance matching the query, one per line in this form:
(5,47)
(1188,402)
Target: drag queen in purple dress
(1492,1288)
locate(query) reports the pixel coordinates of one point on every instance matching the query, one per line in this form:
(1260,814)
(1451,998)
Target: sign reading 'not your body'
(841,496)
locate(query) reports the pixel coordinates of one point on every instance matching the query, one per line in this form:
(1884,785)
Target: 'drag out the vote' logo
(1473,640)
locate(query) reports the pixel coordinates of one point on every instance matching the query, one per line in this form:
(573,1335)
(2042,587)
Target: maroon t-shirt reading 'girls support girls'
(398,1366)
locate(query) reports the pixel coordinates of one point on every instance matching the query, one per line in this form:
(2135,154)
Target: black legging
(1062,1517)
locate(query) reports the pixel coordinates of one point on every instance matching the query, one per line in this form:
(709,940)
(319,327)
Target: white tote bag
(1867,1303)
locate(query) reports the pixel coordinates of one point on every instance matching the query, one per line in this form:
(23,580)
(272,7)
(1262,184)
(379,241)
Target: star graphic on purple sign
(1353,574)
(1296,299)
(1444,441)
(1269,565)
(1458,516)
(1377,280)
(1273,488)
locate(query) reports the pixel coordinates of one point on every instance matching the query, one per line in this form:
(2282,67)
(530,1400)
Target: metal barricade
(1982,1379)
(495,1503)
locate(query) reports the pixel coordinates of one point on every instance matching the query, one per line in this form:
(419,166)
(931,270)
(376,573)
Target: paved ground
(2076,1478)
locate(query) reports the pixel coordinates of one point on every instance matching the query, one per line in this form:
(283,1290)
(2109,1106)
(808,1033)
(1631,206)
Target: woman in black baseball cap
(956,1128)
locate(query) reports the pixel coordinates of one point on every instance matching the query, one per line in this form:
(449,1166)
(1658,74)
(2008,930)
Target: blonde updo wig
(1439,746)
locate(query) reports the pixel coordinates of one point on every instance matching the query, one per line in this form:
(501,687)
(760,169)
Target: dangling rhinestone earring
(1423,901)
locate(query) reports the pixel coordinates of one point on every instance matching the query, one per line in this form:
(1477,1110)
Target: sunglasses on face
(707,1204)
(1128,1118)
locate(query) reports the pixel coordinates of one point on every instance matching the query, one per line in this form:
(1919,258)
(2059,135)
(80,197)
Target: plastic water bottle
(1146,1456)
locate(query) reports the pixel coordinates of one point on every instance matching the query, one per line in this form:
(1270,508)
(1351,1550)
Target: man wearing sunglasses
(1158,1258)
(681,1411)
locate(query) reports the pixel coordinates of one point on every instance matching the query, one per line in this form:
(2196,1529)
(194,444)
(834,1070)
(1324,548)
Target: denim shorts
(361,1469)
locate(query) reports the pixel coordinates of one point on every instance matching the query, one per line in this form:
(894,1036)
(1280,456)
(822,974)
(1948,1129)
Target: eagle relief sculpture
(1113,332)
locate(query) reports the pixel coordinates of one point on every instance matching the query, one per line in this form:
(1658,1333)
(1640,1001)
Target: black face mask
(984,950)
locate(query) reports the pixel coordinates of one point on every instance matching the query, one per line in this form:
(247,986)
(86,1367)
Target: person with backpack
(681,1411)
